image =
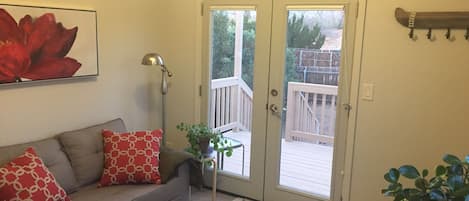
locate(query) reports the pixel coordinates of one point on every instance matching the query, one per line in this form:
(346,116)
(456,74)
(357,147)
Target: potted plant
(450,183)
(200,137)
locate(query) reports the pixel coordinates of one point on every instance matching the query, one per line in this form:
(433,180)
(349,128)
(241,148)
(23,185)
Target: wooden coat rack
(433,20)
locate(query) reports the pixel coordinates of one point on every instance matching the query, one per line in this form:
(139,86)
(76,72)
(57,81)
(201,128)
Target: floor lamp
(154,59)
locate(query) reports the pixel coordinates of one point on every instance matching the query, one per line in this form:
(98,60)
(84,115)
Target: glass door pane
(305,125)
(312,63)
(313,55)
(233,36)
(235,77)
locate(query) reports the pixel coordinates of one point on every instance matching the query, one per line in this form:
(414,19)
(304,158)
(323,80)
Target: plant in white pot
(200,136)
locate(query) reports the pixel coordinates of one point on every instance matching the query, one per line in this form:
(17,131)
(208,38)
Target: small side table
(233,144)
(214,176)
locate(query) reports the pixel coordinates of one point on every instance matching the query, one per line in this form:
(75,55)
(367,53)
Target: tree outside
(305,31)
(223,36)
(299,35)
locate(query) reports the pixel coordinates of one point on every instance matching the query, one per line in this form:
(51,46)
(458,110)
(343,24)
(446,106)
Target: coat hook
(467,34)
(411,25)
(429,34)
(411,34)
(448,34)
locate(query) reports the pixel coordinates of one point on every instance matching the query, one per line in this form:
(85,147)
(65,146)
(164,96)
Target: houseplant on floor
(200,137)
(450,183)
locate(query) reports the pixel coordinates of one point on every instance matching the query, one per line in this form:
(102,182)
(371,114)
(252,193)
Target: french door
(277,74)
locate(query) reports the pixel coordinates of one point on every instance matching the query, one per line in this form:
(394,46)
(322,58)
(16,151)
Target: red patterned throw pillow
(27,178)
(131,158)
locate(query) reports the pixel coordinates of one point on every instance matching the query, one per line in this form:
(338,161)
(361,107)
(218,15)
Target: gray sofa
(76,160)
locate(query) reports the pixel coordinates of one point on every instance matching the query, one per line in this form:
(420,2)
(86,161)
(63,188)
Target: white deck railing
(311,112)
(231,105)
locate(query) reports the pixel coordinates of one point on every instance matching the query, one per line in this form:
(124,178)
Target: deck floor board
(304,166)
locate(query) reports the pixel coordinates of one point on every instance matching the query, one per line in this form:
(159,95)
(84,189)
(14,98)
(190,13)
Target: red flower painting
(35,48)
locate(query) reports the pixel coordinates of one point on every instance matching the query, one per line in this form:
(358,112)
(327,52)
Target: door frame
(352,77)
(272,189)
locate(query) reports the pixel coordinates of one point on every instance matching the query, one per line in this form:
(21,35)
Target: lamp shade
(153,59)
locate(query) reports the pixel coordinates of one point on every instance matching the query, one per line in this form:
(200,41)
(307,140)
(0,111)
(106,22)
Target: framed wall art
(40,43)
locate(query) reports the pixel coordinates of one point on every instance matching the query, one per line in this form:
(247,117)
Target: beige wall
(179,42)
(421,98)
(126,31)
(419,111)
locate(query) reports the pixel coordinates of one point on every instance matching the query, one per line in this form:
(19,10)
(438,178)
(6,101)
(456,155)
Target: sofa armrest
(170,160)
(176,189)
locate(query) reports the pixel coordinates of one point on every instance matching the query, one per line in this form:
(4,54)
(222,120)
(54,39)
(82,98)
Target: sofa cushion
(27,178)
(176,189)
(131,158)
(84,148)
(50,151)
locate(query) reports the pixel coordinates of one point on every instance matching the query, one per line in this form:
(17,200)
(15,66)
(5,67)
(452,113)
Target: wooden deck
(304,166)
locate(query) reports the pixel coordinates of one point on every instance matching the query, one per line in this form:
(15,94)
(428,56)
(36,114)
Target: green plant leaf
(464,191)
(436,194)
(455,182)
(387,192)
(414,198)
(394,187)
(425,173)
(388,178)
(229,153)
(399,197)
(451,159)
(456,170)
(440,171)
(421,184)
(394,175)
(435,182)
(412,194)
(409,171)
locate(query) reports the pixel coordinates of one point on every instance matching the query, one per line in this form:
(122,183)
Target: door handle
(275,109)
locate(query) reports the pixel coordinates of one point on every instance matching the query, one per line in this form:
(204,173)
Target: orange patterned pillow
(131,158)
(27,178)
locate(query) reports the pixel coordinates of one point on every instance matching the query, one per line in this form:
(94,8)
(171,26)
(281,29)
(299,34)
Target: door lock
(347,107)
(274,92)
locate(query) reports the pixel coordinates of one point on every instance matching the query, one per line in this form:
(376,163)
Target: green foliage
(249,47)
(223,42)
(223,36)
(194,132)
(290,72)
(290,66)
(451,182)
(301,36)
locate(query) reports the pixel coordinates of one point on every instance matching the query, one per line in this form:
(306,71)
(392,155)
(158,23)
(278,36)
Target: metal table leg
(214,175)
(242,169)
(214,181)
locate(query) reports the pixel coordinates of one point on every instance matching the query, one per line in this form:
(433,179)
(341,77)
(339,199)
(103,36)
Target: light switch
(368,91)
